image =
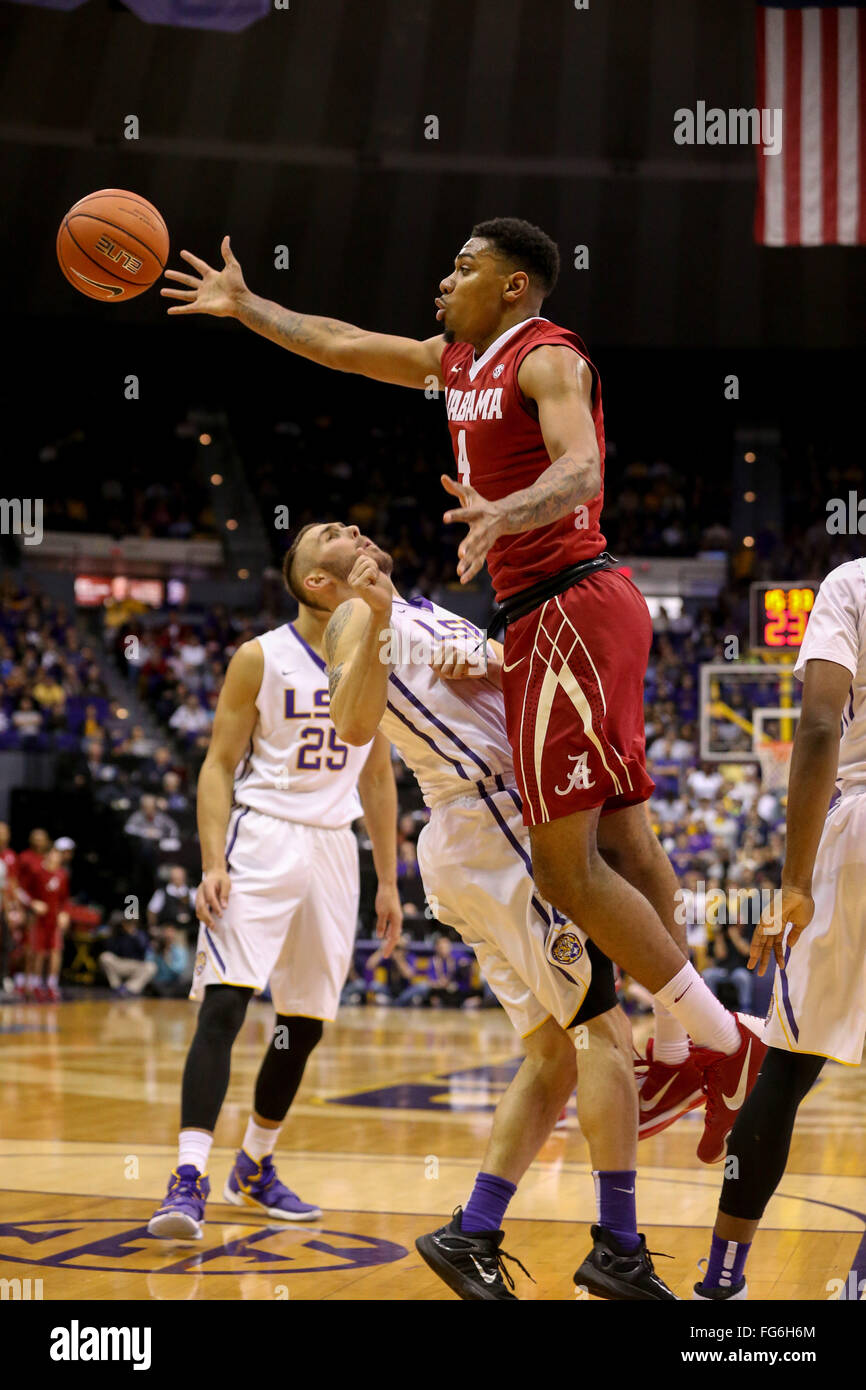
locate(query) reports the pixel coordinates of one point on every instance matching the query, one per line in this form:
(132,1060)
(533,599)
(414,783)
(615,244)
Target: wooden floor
(386,1136)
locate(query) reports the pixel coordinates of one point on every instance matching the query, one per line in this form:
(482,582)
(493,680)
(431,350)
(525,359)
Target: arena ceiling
(308,130)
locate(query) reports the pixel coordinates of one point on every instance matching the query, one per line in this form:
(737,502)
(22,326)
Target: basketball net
(774,755)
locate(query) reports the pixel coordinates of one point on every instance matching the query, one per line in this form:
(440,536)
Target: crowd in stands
(155,492)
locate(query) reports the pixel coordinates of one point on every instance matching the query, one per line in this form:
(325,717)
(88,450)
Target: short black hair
(528,246)
(289,576)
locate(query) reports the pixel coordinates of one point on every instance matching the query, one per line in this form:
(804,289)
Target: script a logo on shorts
(200,962)
(579,775)
(567,948)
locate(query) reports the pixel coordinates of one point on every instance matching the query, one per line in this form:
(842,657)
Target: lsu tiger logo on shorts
(200,962)
(567,948)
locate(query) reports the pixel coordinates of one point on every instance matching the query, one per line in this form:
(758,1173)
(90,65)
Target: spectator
(439,986)
(174,903)
(125,960)
(190,717)
(150,824)
(27,719)
(173,964)
(730,952)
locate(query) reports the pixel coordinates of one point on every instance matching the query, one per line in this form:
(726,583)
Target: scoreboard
(778,614)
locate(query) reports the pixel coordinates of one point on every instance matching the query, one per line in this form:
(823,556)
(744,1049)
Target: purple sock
(486,1207)
(614,1196)
(726,1263)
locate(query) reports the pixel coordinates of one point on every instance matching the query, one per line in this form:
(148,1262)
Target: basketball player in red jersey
(524,407)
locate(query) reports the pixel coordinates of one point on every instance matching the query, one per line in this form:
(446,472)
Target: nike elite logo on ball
(107,289)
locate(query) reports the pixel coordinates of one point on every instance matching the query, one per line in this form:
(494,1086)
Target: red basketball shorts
(44,933)
(573,679)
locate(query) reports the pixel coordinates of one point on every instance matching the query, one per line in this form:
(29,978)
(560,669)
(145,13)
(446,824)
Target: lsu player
(818,932)
(406,669)
(278,903)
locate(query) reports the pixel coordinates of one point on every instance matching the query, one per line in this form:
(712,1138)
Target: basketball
(112,245)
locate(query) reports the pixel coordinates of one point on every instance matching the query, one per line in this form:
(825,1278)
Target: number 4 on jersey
(462,458)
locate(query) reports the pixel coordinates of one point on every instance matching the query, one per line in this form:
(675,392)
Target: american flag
(811,61)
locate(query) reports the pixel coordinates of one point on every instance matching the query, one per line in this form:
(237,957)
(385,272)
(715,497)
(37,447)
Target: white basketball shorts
(477,874)
(819,999)
(291,915)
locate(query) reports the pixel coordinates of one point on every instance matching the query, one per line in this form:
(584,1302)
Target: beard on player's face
(342,561)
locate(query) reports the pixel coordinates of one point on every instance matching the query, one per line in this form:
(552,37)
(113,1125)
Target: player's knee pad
(284,1062)
(223,1011)
(301,1034)
(760,1140)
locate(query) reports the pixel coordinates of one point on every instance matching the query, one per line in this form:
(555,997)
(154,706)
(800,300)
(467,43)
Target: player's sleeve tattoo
(333,631)
(334,679)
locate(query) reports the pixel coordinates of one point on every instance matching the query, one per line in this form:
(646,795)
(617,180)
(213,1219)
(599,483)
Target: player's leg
(671,1083)
(203,1089)
(758,1148)
(55,957)
(572,874)
(253,1180)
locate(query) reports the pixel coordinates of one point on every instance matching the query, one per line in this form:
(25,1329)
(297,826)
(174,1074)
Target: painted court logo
(114,1245)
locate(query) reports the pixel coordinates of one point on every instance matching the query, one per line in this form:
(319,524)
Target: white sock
(19,979)
(52,981)
(33,982)
(693,1004)
(193,1146)
(258,1141)
(670,1041)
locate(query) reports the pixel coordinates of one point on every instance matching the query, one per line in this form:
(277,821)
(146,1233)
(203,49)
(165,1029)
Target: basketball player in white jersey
(406,669)
(278,903)
(818,930)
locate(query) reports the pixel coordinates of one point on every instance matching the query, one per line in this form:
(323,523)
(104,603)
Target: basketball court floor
(386,1135)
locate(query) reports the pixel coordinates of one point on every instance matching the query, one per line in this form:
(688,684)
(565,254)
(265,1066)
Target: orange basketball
(112,245)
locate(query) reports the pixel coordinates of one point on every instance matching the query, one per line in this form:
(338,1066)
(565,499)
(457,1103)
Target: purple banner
(230,16)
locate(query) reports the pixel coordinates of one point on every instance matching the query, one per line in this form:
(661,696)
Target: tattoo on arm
(293,330)
(334,679)
(333,631)
(560,487)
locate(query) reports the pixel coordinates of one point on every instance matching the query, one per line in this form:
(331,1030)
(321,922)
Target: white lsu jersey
(296,768)
(465,740)
(837,632)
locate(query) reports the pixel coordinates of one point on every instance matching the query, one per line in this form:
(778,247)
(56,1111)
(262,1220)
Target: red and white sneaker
(726,1082)
(665,1092)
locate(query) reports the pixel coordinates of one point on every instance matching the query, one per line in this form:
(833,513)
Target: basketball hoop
(774,755)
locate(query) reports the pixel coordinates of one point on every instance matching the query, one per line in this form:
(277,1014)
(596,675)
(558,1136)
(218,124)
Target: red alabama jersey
(50,886)
(499,449)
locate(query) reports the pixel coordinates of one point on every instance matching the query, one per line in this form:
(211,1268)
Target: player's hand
(459,661)
(212,896)
(368,582)
(38,907)
(793,906)
(389,917)
(486,522)
(217,292)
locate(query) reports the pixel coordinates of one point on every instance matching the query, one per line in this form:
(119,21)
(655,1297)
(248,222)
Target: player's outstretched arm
(233,725)
(356,650)
(377,787)
(383,356)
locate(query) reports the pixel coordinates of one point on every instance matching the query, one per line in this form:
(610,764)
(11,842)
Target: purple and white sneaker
(181,1216)
(252,1184)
